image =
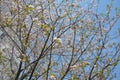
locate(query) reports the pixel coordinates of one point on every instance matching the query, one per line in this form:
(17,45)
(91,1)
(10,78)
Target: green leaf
(101,72)
(75,77)
(52,74)
(115,63)
(24,58)
(29,8)
(46,29)
(2,58)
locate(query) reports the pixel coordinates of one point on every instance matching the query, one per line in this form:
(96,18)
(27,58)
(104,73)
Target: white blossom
(58,40)
(104,29)
(31,6)
(52,77)
(73,67)
(35,19)
(38,7)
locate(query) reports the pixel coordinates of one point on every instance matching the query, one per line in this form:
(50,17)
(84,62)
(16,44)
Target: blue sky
(102,9)
(102,5)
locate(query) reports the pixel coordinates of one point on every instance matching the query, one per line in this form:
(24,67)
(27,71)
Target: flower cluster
(52,77)
(73,67)
(58,40)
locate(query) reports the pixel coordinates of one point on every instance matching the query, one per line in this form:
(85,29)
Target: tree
(58,40)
